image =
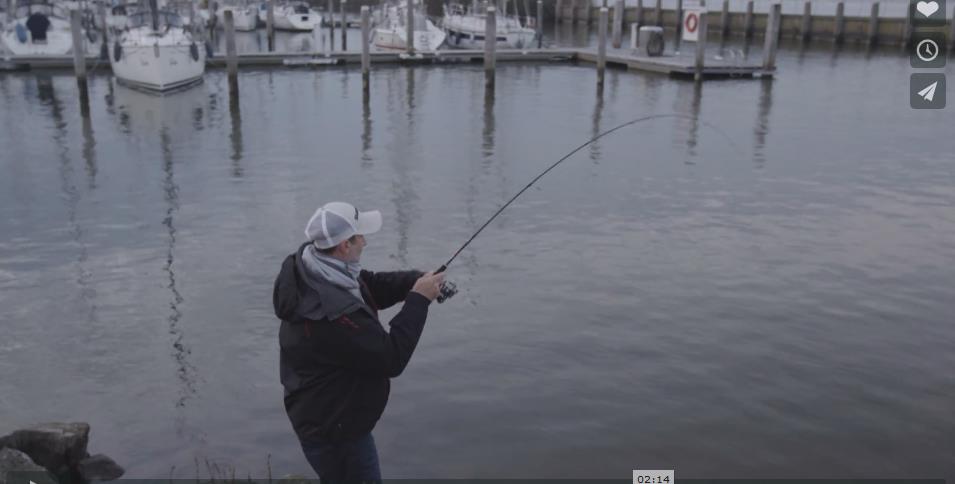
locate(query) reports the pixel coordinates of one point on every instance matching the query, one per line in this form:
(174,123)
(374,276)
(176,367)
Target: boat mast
(154,10)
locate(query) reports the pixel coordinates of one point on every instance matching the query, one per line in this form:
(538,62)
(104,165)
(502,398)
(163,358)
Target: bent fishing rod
(568,155)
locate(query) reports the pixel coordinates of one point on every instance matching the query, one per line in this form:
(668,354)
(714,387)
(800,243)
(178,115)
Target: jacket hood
(287,294)
(297,297)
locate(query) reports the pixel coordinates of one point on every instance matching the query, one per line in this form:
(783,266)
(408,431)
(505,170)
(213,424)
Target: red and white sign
(691,23)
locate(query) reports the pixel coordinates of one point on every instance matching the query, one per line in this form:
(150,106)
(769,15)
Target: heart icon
(927,8)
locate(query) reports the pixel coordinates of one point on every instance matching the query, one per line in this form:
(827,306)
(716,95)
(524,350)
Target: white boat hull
(461,39)
(424,40)
(59,39)
(115,22)
(158,68)
(244,18)
(466,30)
(286,19)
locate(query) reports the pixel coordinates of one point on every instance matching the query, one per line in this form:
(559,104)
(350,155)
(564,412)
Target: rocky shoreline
(57,449)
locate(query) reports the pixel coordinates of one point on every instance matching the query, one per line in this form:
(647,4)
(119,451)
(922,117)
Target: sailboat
(392,31)
(116,18)
(37,29)
(244,17)
(466,28)
(296,17)
(156,52)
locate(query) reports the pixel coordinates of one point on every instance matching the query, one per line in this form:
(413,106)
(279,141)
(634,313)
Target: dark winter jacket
(336,358)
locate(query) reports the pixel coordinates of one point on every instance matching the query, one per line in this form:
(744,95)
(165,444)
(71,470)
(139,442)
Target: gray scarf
(335,271)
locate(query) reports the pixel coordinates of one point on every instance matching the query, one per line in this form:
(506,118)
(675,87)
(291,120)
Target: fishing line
(568,155)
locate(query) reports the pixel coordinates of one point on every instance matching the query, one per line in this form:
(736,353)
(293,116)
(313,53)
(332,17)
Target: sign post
(691,24)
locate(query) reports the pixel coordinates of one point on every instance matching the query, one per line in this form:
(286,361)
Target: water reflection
(185,371)
(89,151)
(70,193)
(146,114)
(109,97)
(761,130)
(366,125)
(693,136)
(235,136)
(5,90)
(213,107)
(487,129)
(836,51)
(651,92)
(405,197)
(801,52)
(597,115)
(686,128)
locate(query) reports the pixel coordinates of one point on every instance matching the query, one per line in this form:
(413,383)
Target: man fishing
(336,358)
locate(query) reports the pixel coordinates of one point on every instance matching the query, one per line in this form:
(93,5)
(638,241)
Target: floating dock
(670,65)
(677,66)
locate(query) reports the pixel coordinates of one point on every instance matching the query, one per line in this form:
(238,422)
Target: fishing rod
(444,267)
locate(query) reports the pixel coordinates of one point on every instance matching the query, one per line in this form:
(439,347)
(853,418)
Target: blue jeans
(352,461)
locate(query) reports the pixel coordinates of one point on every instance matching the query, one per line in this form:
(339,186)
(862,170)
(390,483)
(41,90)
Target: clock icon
(927,50)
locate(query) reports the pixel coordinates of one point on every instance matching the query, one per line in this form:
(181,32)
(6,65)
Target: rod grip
(441,269)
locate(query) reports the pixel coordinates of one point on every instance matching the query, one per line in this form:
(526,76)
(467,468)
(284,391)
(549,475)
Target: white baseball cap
(335,222)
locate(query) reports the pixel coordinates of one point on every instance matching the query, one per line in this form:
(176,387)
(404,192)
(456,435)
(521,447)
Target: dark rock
(12,460)
(58,447)
(100,468)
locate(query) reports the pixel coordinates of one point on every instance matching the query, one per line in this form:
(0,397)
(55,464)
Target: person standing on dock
(336,359)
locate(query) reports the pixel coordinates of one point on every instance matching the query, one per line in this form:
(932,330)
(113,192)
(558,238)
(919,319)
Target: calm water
(775,304)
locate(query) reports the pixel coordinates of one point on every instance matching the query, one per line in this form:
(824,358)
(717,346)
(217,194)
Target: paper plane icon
(927,94)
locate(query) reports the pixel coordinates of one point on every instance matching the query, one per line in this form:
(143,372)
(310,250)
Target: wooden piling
(907,28)
(601,45)
(805,28)
(104,45)
(100,16)
(490,44)
(270,24)
(540,23)
(231,58)
(558,12)
(772,36)
(679,25)
(618,23)
(344,25)
(748,21)
(79,56)
(874,24)
(587,10)
(701,43)
(658,14)
(573,12)
(839,28)
(724,22)
(331,24)
(365,39)
(191,14)
(639,19)
(409,31)
(79,61)
(634,35)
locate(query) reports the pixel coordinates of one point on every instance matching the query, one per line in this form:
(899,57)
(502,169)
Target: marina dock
(667,64)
